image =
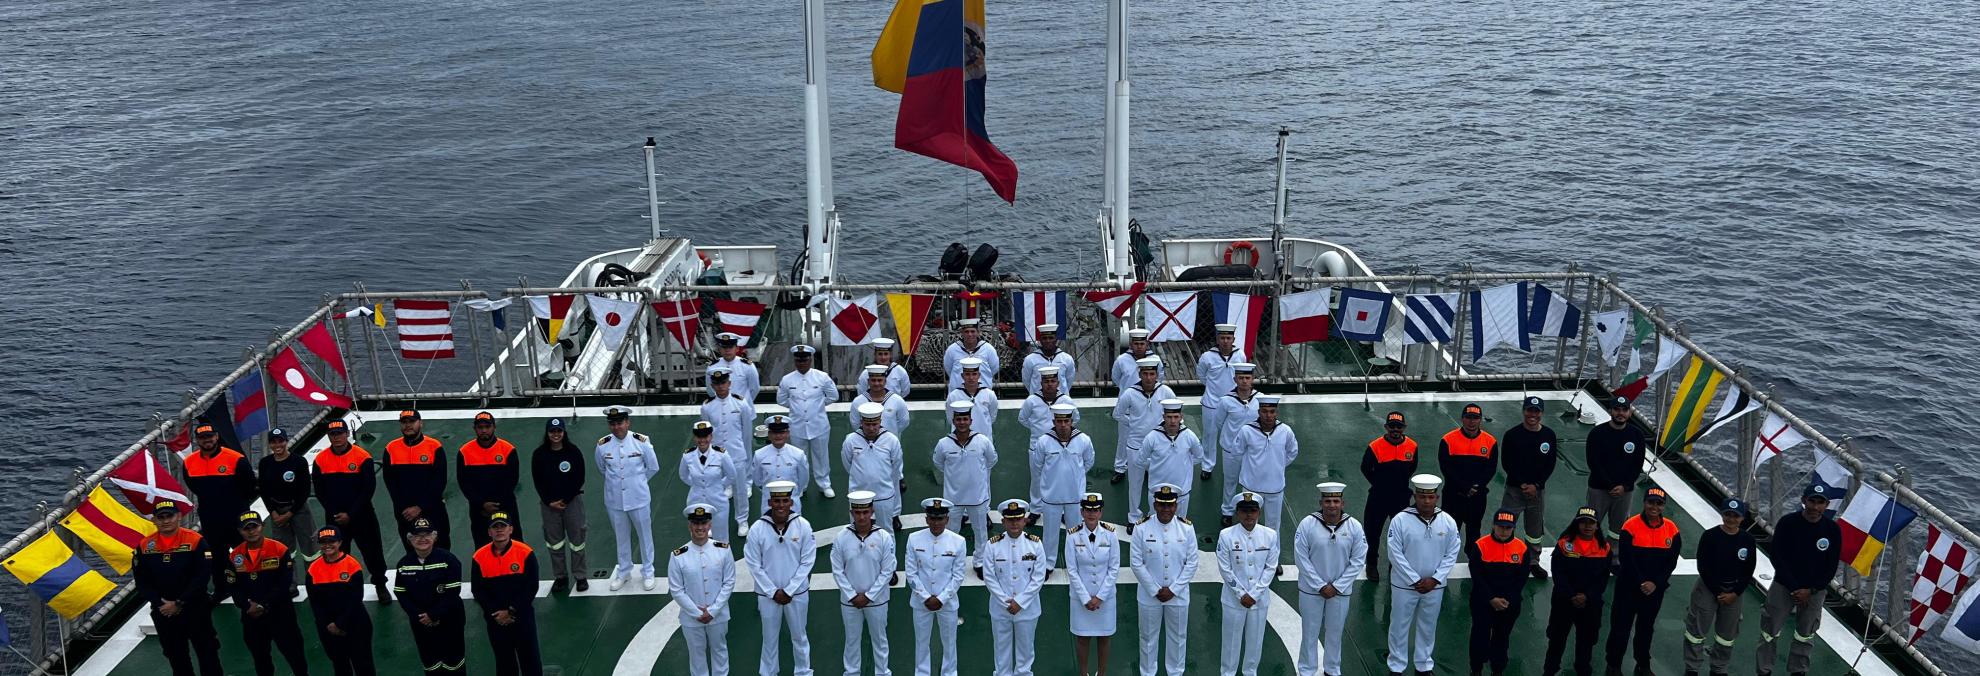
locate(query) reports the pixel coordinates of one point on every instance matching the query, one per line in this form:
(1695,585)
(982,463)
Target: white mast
(1116,200)
(820,213)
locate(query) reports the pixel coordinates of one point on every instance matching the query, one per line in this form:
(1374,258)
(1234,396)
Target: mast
(1116,201)
(1279,197)
(653,189)
(821,216)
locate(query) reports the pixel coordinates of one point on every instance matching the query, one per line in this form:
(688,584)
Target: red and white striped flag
(426,328)
(1117,302)
(739,317)
(1944,568)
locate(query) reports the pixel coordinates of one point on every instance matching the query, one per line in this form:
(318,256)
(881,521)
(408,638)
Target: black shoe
(384,595)
(1539,573)
(1689,672)
(1118,477)
(897,579)
(1373,577)
(1032,520)
(979,572)
(1477,672)
(583,585)
(1643,670)
(897,524)
(560,586)
(1613,670)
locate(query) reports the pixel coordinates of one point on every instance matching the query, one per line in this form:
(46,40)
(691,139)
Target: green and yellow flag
(1688,401)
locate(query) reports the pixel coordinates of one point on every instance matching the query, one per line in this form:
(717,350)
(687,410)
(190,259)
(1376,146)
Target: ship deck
(634,631)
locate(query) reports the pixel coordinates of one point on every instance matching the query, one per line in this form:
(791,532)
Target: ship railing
(1095,339)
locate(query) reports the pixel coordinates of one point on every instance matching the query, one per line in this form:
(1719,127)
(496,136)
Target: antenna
(653,189)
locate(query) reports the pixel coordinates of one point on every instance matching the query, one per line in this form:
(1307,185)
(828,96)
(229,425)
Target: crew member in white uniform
(700,577)
(863,567)
(1059,462)
(1172,453)
(1014,574)
(1264,449)
(715,477)
(1127,370)
(780,461)
(747,382)
(896,418)
(1164,557)
(1138,410)
(1248,560)
(1214,370)
(1047,354)
(1093,574)
(626,463)
(964,459)
(875,463)
(1423,544)
(897,376)
(968,345)
(1239,408)
(935,564)
(732,415)
(1036,416)
(983,400)
(780,552)
(805,392)
(1330,550)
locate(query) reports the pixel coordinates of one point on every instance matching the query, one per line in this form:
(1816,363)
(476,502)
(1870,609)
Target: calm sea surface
(1798,181)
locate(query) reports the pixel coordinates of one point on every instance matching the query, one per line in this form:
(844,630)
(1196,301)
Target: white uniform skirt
(1093,622)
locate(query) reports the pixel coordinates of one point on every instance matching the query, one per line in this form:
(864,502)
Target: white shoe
(650,583)
(829,494)
(619,583)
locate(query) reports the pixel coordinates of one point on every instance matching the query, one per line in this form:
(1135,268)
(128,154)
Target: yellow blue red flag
(58,577)
(931,52)
(1869,520)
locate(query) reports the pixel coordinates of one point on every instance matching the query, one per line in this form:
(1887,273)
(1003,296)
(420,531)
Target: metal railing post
(343,335)
(474,341)
(1560,342)
(371,345)
(1587,335)
(1898,587)
(1464,310)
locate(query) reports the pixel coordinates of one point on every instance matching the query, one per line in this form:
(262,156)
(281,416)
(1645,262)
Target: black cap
(421,525)
(554,424)
(718,377)
(1473,411)
(1394,418)
(499,519)
(1733,506)
(249,518)
(1534,404)
(335,426)
(163,507)
(1619,402)
(1819,492)
(1505,517)
(617,413)
(704,428)
(204,429)
(278,433)
(329,533)
(408,414)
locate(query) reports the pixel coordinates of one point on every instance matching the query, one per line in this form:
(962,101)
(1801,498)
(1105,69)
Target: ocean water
(1799,182)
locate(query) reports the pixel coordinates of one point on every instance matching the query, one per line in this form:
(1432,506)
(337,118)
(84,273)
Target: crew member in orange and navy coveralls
(416,478)
(264,585)
(1469,458)
(1581,574)
(171,569)
(429,589)
(1647,553)
(223,486)
(346,477)
(1388,463)
(490,471)
(504,584)
(1498,576)
(336,595)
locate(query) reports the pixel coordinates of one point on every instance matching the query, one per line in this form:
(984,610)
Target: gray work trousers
(1709,628)
(1611,511)
(299,535)
(1807,618)
(563,531)
(1532,516)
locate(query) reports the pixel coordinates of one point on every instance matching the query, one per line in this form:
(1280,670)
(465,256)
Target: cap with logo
(780,489)
(860,499)
(617,413)
(556,424)
(278,433)
(1091,501)
(1733,506)
(777,423)
(484,417)
(1332,489)
(250,518)
(802,351)
(1817,492)
(329,534)
(1394,419)
(703,428)
(1505,517)
(717,376)
(421,525)
(1619,402)
(1473,411)
(336,426)
(1533,404)
(700,512)
(1655,494)
(935,507)
(726,339)
(1016,509)
(1167,494)
(1247,501)
(1587,513)
(499,519)
(204,429)
(408,414)
(164,508)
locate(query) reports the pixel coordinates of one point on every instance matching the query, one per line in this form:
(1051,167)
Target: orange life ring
(705,264)
(1242,246)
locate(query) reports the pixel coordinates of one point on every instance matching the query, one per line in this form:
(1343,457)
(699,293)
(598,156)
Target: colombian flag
(109,528)
(931,53)
(1869,521)
(58,577)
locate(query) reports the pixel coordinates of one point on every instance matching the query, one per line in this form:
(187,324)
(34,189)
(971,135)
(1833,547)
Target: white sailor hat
(1064,410)
(1149,362)
(935,507)
(1048,328)
(1332,488)
(1172,404)
(1044,371)
(726,337)
(961,407)
(762,431)
(1227,328)
(967,323)
(1137,334)
(1247,501)
(802,350)
(883,343)
(876,370)
(1015,509)
(860,498)
(781,488)
(700,512)
(1243,367)
(970,363)
(1426,483)
(871,411)
(1268,400)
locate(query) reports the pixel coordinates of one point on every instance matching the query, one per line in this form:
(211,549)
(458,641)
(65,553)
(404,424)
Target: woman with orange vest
(504,585)
(336,598)
(1647,552)
(489,474)
(1581,573)
(416,477)
(1499,564)
(1388,463)
(1469,458)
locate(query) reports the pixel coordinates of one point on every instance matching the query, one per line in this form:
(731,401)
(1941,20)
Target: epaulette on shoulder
(997,538)
(1110,526)
(721,545)
(1184,519)
(639,436)
(603,439)
(1034,538)
(682,550)
(718,449)
(742,358)
(1144,519)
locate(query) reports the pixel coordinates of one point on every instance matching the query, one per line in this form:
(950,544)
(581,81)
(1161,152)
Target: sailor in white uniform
(1214,369)
(741,373)
(976,390)
(965,459)
(1036,415)
(780,552)
(715,477)
(1423,545)
(896,418)
(1014,574)
(626,462)
(1330,550)
(805,392)
(936,560)
(1164,558)
(1093,569)
(1263,451)
(897,376)
(1172,453)
(863,567)
(1248,560)
(1047,354)
(700,577)
(1138,410)
(1059,462)
(780,461)
(1126,370)
(966,346)
(1239,408)
(875,463)
(732,415)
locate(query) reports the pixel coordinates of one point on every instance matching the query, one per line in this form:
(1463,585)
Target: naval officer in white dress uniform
(805,392)
(1093,570)
(1014,573)
(1248,560)
(936,562)
(700,577)
(1164,558)
(626,462)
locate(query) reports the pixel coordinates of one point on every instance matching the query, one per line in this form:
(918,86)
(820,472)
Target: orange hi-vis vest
(1387,452)
(397,452)
(1643,535)
(267,557)
(1494,551)
(1578,548)
(506,563)
(323,571)
(351,462)
(221,464)
(1461,445)
(473,454)
(186,540)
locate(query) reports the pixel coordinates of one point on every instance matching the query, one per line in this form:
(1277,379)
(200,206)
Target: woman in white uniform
(1093,564)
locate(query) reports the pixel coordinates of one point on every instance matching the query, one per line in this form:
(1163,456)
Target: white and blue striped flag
(1550,314)
(1429,317)
(1834,478)
(1498,317)
(1963,625)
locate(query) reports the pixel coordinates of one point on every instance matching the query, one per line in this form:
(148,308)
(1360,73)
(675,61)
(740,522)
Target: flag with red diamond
(854,320)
